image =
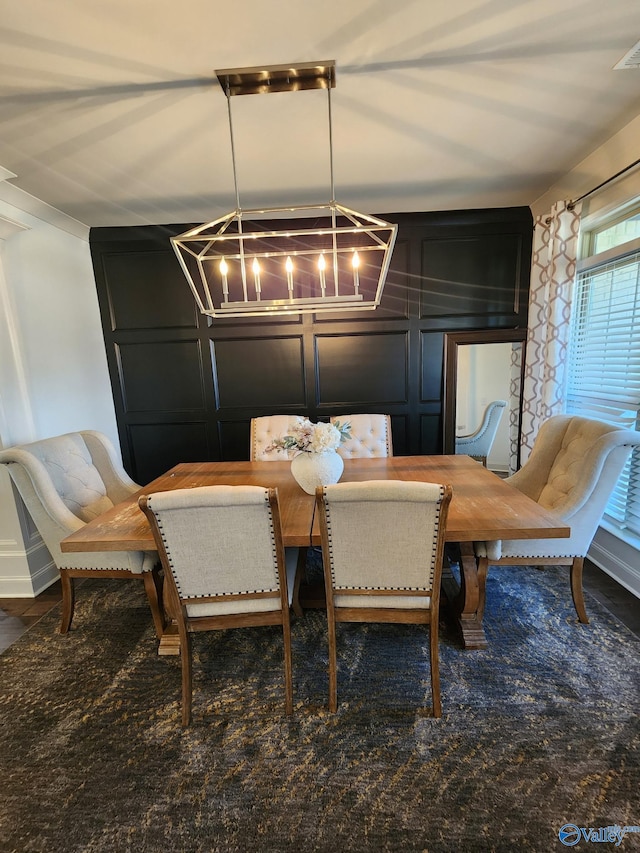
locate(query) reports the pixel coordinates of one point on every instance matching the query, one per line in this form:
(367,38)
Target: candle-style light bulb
(289,268)
(256,278)
(355,263)
(322,265)
(224,269)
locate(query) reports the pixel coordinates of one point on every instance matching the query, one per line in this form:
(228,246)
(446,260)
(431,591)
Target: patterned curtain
(553,270)
(515,382)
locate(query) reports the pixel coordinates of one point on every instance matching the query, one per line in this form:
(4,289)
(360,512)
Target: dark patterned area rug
(538,731)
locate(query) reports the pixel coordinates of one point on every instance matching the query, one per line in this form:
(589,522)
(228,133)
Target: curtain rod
(572,203)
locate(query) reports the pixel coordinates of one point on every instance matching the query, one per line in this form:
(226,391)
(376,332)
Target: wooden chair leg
(68,600)
(153,588)
(576,589)
(435,667)
(333,662)
(187,685)
(288,679)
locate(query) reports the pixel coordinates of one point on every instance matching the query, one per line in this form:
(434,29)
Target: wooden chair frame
(187,625)
(418,616)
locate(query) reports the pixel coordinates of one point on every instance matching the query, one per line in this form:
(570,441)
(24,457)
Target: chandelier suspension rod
(233,147)
(334,221)
(235,184)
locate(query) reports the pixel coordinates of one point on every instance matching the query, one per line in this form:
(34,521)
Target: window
(604,352)
(612,236)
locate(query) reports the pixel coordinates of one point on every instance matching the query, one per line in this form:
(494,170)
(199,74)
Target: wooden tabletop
(483,505)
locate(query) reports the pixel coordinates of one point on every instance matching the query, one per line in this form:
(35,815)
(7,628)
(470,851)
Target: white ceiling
(111,112)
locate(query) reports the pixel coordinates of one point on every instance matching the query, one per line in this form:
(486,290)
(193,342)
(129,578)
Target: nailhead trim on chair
(215,594)
(375,588)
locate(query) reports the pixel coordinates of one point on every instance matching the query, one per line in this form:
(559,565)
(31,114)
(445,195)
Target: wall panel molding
(450,271)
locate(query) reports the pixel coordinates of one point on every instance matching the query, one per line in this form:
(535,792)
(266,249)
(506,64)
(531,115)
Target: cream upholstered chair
(370,436)
(221,549)
(264,430)
(572,470)
(479,443)
(66,481)
(382,546)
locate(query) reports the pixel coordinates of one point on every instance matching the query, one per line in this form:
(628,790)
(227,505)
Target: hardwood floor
(17,615)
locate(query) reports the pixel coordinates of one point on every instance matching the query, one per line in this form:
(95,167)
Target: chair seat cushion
(400,602)
(135,562)
(228,608)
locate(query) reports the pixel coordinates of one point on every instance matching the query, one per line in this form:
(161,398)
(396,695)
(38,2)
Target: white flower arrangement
(313,438)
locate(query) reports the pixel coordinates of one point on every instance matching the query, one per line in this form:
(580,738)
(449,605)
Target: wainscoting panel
(252,373)
(164,376)
(394,304)
(234,439)
(430,430)
(185,387)
(431,349)
(362,369)
(157,447)
(146,292)
(471,275)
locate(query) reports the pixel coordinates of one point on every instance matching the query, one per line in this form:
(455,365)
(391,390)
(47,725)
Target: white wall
(53,368)
(616,154)
(55,325)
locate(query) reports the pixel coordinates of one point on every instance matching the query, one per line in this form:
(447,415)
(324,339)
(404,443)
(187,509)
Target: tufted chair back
(572,470)
(370,436)
(263,432)
(66,481)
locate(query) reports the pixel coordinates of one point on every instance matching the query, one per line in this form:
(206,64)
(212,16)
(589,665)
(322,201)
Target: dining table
(484,506)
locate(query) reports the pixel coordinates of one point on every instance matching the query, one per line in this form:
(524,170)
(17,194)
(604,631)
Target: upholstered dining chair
(382,547)
(370,436)
(66,481)
(479,443)
(573,468)
(221,549)
(263,431)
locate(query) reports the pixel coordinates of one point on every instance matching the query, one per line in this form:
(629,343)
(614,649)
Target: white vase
(316,469)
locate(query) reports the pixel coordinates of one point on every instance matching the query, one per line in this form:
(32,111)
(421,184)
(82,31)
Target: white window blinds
(604,365)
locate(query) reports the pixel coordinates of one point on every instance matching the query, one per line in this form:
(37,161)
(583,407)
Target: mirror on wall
(480,367)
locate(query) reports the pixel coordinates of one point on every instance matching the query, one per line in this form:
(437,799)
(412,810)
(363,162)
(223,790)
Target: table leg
(296,561)
(467,599)
(170,640)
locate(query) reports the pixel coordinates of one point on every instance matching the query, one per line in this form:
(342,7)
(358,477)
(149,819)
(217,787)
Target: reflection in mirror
(480,368)
(484,376)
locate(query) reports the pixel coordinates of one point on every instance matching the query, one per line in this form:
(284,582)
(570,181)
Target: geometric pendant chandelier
(285,260)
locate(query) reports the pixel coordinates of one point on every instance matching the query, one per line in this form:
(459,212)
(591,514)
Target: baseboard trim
(610,554)
(29,586)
